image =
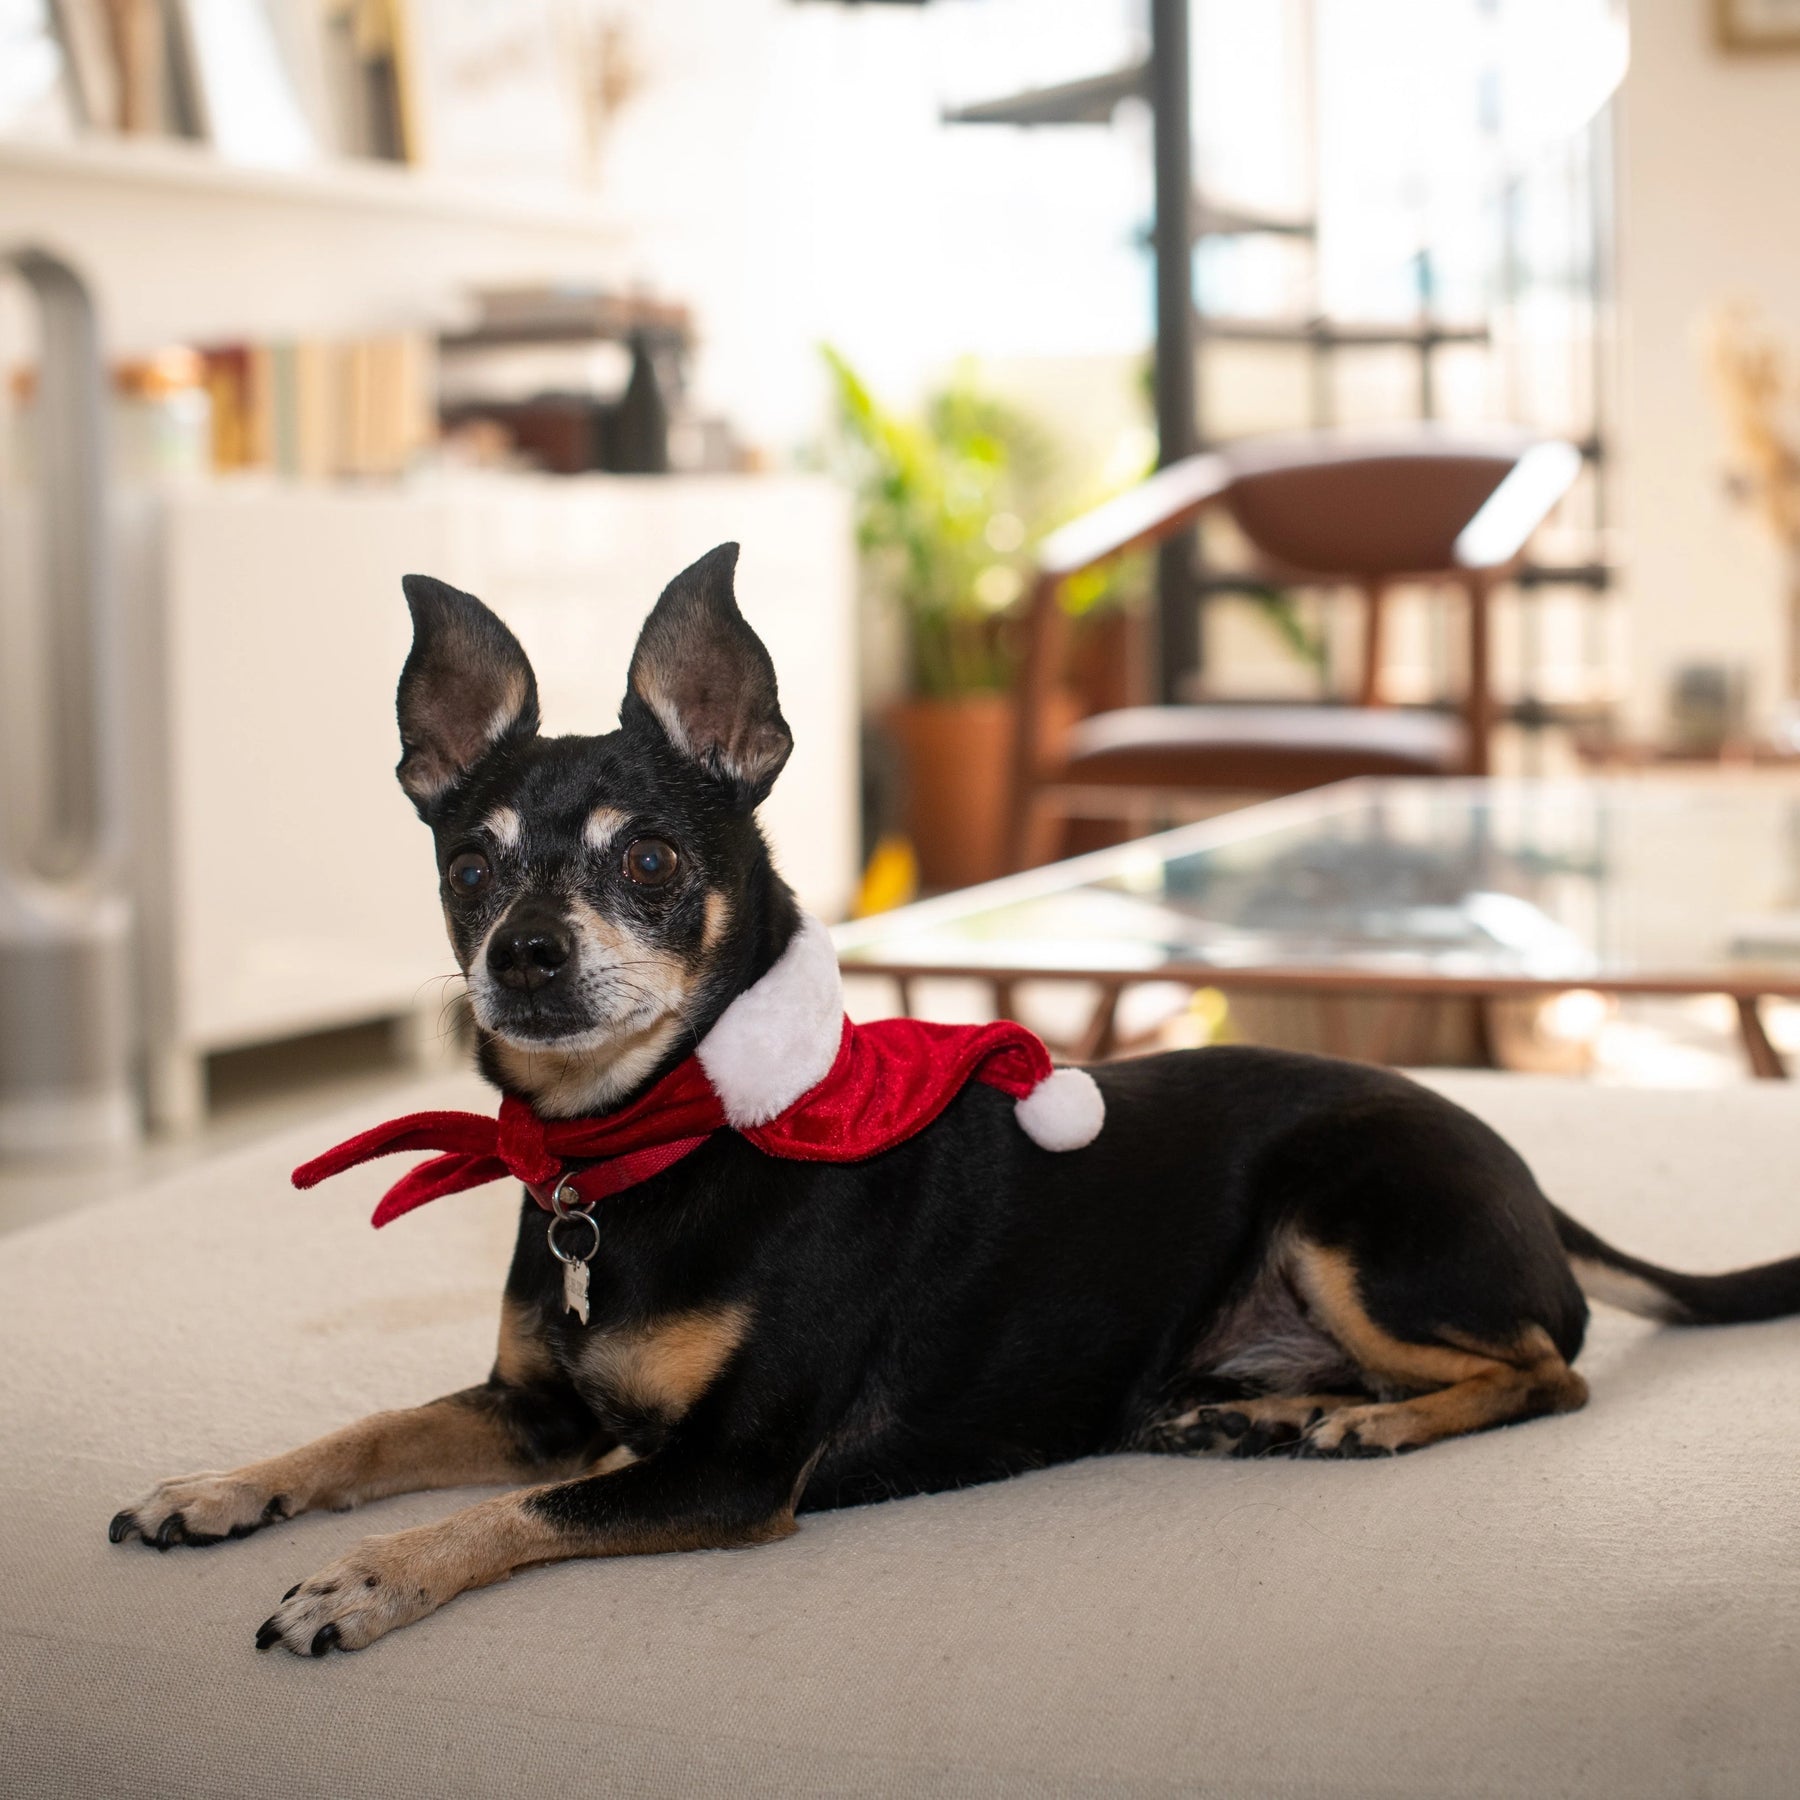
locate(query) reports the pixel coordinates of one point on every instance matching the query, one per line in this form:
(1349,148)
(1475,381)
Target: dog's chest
(654,1368)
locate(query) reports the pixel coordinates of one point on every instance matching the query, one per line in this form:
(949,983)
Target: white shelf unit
(283,881)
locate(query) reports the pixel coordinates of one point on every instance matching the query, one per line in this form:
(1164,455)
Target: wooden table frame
(1099,1038)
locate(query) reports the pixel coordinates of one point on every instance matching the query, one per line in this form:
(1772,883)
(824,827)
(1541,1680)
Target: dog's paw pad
(1204,1429)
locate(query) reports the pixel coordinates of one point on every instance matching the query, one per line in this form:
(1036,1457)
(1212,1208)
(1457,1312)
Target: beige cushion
(1256,747)
(1605,1603)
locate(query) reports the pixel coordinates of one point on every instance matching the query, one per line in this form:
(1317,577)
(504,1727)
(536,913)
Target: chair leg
(1372,692)
(1766,1062)
(1478,707)
(1100,1038)
(1038,825)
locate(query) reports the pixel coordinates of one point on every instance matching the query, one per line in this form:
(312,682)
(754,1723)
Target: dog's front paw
(198,1509)
(382,1584)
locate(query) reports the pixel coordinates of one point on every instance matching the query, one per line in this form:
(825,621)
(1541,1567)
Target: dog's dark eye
(650,862)
(468,873)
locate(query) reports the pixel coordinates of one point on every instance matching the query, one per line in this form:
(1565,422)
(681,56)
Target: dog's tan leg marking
(1458,1388)
(460,1440)
(386,1582)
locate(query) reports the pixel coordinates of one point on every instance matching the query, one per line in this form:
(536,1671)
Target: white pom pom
(1064,1111)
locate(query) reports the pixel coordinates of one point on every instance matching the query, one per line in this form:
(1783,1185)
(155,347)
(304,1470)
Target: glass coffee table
(1652,884)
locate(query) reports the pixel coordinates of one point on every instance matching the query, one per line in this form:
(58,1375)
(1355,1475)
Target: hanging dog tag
(569,1212)
(575,1289)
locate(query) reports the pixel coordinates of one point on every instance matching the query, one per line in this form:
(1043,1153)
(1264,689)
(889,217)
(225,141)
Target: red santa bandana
(783,1067)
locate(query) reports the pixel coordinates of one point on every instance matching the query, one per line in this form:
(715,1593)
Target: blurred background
(1468,332)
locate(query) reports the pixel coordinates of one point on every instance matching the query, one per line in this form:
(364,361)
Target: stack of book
(518,91)
(265,81)
(315,410)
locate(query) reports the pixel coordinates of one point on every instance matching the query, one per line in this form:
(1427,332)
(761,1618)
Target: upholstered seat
(1267,749)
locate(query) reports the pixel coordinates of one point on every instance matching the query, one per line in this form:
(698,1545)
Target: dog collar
(784,1067)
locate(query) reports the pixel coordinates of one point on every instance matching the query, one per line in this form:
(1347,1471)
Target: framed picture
(490,90)
(1758,24)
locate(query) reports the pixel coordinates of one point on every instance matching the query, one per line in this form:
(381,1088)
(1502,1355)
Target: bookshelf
(182,168)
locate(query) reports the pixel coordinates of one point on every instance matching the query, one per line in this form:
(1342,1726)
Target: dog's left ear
(705,679)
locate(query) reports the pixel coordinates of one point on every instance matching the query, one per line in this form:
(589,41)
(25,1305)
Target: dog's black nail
(169,1531)
(267,1633)
(291,1592)
(1234,1424)
(122,1526)
(327,1639)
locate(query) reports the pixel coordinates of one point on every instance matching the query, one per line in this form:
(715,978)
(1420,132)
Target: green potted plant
(945,509)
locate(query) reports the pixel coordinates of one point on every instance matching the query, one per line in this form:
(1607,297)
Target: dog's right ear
(466,689)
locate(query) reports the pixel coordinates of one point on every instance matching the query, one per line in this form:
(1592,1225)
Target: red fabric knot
(522,1145)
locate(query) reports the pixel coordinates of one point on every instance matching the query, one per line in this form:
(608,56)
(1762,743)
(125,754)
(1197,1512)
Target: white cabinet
(284,883)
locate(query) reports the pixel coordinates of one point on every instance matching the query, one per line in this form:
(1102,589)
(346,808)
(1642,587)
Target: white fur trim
(1064,1111)
(778,1039)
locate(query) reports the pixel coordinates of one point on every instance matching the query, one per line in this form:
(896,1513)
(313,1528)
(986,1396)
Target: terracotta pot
(957,762)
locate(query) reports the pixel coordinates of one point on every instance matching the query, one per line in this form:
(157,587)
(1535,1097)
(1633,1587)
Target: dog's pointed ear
(466,689)
(704,678)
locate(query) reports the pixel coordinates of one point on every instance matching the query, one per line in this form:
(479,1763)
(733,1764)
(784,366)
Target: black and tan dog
(1260,1253)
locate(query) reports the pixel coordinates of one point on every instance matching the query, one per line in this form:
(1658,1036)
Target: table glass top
(1665,880)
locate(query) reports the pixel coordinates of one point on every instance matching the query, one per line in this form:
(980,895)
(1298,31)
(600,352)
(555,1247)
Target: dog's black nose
(525,954)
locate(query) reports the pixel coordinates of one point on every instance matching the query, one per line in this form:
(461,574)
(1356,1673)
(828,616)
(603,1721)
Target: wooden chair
(1321,508)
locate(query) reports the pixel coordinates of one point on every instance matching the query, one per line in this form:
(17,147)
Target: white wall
(784,168)
(1710,170)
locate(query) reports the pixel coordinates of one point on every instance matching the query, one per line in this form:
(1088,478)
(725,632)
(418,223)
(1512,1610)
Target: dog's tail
(1768,1291)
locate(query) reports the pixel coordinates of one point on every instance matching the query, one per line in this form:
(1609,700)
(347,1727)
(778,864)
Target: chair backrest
(1367,507)
(1418,500)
